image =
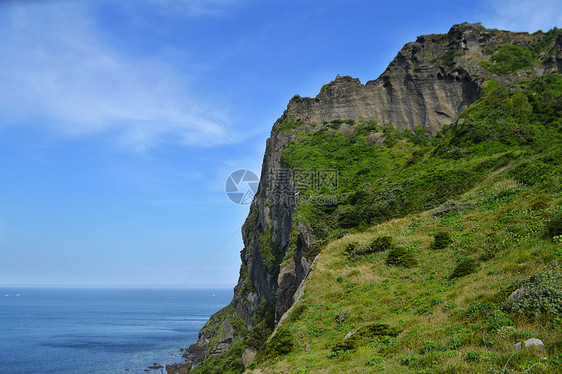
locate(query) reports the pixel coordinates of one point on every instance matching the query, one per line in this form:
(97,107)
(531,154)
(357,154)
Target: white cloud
(197,7)
(523,15)
(57,73)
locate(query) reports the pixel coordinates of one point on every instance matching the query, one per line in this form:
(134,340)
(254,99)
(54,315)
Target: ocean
(75,331)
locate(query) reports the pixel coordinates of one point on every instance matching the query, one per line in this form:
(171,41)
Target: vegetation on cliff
(422,241)
(480,208)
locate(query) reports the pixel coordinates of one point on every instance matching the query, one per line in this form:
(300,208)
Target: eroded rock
(533,342)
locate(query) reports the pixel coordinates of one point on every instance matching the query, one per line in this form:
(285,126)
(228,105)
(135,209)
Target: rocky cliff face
(429,83)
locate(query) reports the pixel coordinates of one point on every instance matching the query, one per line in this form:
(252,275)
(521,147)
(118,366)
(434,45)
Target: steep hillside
(354,165)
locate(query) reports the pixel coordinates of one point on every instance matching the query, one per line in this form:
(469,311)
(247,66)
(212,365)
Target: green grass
(443,324)
(448,58)
(510,58)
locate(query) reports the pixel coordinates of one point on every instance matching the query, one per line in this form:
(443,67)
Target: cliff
(427,87)
(429,83)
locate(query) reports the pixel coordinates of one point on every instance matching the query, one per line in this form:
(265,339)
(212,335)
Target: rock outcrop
(429,84)
(533,342)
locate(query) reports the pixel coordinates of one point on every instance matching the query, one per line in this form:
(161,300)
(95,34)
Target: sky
(120,121)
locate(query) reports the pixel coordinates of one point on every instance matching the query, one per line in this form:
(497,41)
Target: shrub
(466,267)
(259,334)
(448,58)
(478,309)
(429,347)
(281,343)
(531,172)
(402,257)
(408,360)
(288,125)
(473,357)
(374,361)
(540,294)
(380,244)
(497,320)
(441,240)
(554,226)
(297,312)
(352,251)
(346,345)
(341,317)
(509,58)
(364,335)
(263,325)
(349,216)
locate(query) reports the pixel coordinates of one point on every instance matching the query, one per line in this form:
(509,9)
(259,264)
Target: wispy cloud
(523,15)
(198,8)
(56,72)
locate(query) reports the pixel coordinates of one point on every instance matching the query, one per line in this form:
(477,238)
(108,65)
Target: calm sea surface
(75,331)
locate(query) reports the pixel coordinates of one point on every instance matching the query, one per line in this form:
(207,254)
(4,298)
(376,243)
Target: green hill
(449,301)
(397,248)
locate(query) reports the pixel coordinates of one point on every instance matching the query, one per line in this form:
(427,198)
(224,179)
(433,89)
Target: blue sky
(113,176)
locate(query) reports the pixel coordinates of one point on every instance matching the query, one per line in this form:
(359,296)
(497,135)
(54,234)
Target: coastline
(186,365)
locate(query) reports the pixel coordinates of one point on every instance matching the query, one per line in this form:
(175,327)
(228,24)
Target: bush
(448,58)
(531,172)
(472,357)
(346,345)
(364,335)
(401,257)
(541,294)
(264,323)
(408,360)
(298,310)
(259,334)
(374,361)
(441,240)
(554,226)
(281,343)
(466,267)
(380,244)
(352,251)
(288,125)
(497,320)
(341,317)
(509,58)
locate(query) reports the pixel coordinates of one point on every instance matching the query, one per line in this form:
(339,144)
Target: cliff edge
(427,86)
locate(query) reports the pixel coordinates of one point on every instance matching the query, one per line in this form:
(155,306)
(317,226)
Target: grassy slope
(504,163)
(447,325)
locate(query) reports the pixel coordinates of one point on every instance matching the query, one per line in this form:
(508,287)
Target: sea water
(75,331)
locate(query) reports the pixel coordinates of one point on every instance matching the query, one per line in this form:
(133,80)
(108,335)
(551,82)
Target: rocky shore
(189,355)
